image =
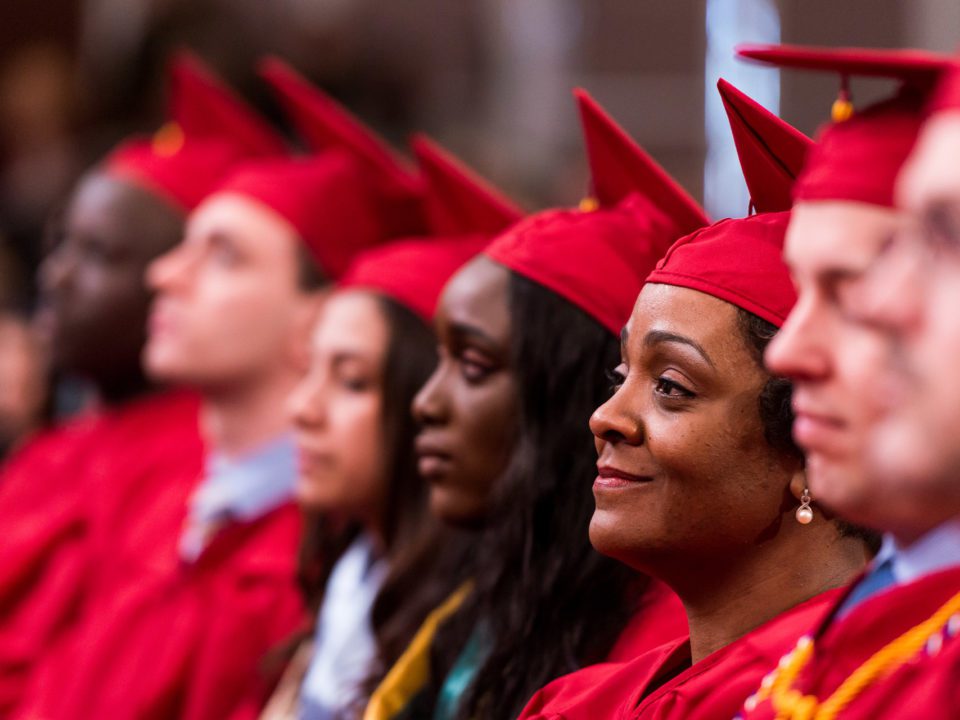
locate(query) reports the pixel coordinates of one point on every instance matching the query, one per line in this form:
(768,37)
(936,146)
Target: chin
(455,511)
(606,536)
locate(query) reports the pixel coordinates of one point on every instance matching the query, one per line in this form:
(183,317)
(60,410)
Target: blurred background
(489,78)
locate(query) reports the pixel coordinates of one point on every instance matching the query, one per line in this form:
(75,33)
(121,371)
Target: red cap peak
(458,201)
(210,129)
(203,106)
(324,123)
(620,167)
(597,257)
(771,151)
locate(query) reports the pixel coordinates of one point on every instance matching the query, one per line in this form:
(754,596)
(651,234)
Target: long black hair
(546,602)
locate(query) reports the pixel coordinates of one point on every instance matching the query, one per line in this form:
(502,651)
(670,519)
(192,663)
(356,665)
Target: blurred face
(684,469)
(228,307)
(913,292)
(467,408)
(337,410)
(22,387)
(94,301)
(840,368)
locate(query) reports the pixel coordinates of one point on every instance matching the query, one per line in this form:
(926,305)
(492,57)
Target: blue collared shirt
(938,550)
(239,489)
(895,565)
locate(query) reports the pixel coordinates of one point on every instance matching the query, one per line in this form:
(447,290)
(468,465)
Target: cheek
(861,368)
(490,431)
(718,477)
(353,479)
(238,325)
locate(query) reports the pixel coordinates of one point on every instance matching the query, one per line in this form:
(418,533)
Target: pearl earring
(805,512)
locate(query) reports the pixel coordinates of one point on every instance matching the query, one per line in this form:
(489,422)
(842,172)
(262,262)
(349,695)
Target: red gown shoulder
(926,686)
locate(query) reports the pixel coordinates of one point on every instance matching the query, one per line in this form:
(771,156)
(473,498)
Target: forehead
(709,321)
(243,220)
(478,295)
(104,203)
(826,237)
(351,321)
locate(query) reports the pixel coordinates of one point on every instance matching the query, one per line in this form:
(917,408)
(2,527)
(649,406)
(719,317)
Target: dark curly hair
(776,412)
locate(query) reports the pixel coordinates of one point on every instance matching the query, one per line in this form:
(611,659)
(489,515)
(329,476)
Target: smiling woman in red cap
(66,500)
(375,560)
(888,647)
(699,484)
(525,332)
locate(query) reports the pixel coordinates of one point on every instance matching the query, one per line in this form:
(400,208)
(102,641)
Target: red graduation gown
(163,639)
(62,490)
(926,687)
(659,619)
(713,689)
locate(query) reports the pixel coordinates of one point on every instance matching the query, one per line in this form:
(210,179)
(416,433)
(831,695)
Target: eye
(668,388)
(617,377)
(356,384)
(475,366)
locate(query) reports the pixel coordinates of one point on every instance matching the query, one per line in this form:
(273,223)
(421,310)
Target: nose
(430,405)
(170,269)
(797,351)
(305,406)
(56,269)
(616,421)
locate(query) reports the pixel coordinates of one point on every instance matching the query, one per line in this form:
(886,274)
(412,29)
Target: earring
(805,512)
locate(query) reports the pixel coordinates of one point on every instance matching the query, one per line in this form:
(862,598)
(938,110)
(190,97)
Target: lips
(815,430)
(610,477)
(434,461)
(309,462)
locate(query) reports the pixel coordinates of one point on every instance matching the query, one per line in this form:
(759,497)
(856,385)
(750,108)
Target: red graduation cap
(325,125)
(741,261)
(771,151)
(947,96)
(457,201)
(597,257)
(347,197)
(858,155)
(464,211)
(326,198)
(210,130)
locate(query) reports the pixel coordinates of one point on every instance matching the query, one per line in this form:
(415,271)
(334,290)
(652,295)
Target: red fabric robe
(926,687)
(713,689)
(59,493)
(158,638)
(659,619)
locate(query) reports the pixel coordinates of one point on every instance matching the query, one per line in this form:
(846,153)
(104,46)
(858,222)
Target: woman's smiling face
(684,470)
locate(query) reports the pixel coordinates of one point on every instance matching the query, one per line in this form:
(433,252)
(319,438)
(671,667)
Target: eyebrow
(655,337)
(460,328)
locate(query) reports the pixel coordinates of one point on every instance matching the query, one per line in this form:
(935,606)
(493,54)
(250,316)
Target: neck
(121,388)
(726,599)
(244,416)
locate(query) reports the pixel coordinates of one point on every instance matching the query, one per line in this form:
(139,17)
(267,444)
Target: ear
(305,316)
(798,482)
